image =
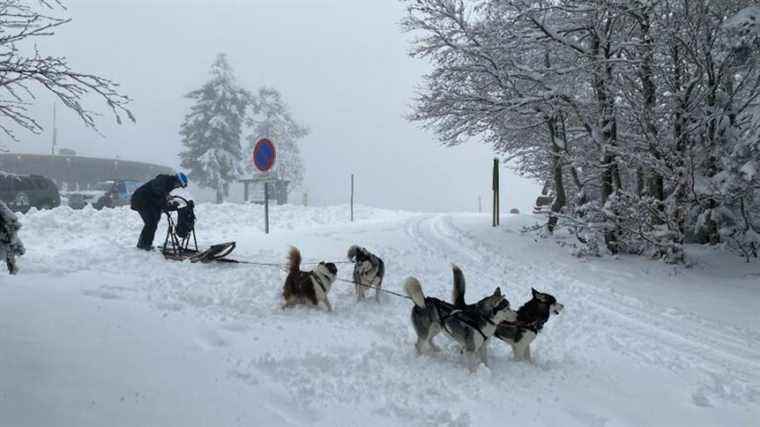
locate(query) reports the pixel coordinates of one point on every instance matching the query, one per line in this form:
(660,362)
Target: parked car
(107,194)
(80,199)
(115,193)
(22,192)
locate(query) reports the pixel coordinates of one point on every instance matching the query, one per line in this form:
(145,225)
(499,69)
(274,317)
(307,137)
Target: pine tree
(212,130)
(273,120)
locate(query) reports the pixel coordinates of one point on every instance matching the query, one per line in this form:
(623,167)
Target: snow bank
(71,222)
(67,240)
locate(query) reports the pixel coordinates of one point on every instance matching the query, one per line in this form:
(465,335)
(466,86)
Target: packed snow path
(94,332)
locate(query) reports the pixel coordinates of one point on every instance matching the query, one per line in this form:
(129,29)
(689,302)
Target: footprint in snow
(208,340)
(235,327)
(245,377)
(169,306)
(99,293)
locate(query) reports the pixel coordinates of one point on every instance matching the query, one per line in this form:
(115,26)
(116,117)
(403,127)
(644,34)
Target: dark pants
(150,217)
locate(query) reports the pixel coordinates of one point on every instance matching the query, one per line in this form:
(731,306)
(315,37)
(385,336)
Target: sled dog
(307,287)
(531,317)
(470,327)
(369,270)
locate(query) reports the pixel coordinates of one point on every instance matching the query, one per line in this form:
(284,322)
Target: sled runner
(177,245)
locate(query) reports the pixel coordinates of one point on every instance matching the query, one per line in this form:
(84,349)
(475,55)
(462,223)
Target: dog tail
(457,292)
(414,290)
(294,260)
(353,251)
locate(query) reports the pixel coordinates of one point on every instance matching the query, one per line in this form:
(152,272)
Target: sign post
(266,207)
(264,155)
(495,187)
(352,197)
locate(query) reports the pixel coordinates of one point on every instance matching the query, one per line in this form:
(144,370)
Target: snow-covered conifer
(211,131)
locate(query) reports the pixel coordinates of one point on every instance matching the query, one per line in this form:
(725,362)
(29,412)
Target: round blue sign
(264,155)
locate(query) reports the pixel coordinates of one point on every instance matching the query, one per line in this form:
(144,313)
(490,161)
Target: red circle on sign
(264,155)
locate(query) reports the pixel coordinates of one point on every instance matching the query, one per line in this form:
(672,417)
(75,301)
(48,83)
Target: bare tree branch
(21,21)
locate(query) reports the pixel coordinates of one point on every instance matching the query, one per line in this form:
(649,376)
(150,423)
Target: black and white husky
(470,327)
(531,317)
(369,270)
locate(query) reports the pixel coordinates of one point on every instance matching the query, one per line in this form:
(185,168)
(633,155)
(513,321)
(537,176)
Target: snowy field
(94,332)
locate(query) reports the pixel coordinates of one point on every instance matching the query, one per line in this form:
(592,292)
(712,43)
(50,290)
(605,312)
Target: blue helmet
(182,178)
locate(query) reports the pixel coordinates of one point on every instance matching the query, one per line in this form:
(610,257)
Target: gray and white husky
(369,270)
(470,327)
(520,332)
(10,244)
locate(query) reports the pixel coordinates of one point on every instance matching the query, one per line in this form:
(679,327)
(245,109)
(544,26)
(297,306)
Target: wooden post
(498,196)
(495,187)
(352,197)
(266,207)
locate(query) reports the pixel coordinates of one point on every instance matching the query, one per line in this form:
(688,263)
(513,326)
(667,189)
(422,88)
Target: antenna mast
(55,134)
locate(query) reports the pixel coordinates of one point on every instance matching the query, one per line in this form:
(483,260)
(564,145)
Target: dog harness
(534,326)
(315,279)
(465,321)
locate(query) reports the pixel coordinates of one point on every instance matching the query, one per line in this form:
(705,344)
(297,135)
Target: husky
(470,327)
(531,317)
(458,290)
(307,287)
(369,270)
(10,244)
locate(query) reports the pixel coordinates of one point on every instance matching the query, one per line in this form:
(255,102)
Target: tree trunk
(710,143)
(680,191)
(560,198)
(566,146)
(607,125)
(610,175)
(655,182)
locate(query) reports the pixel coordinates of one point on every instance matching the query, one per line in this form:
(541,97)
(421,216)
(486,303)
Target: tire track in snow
(727,356)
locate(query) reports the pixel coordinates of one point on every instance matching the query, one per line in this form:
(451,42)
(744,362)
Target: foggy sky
(342,66)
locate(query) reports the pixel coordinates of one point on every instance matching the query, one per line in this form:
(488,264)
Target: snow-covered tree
(24,69)
(643,117)
(272,119)
(211,131)
(738,180)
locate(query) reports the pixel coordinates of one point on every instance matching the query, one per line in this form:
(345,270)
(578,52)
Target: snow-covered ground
(94,332)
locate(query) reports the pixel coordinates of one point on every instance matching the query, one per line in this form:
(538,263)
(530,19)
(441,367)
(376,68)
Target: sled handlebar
(173,203)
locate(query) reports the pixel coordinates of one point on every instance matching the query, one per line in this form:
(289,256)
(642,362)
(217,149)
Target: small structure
(253,189)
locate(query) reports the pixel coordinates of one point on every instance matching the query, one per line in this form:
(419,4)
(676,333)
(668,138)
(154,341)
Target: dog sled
(181,243)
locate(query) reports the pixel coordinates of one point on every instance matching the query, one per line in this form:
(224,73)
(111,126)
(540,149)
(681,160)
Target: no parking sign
(264,155)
